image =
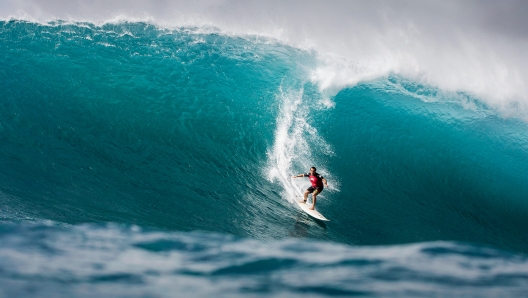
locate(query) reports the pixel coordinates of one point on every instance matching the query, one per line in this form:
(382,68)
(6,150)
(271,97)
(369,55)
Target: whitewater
(147,149)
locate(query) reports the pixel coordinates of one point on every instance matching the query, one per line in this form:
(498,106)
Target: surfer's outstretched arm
(300,175)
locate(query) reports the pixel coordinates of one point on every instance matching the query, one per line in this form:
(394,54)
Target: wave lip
(127,260)
(451,45)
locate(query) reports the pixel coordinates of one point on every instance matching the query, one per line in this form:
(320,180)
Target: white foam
(296,141)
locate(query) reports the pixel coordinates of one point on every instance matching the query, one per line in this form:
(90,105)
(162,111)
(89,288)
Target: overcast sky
(479,46)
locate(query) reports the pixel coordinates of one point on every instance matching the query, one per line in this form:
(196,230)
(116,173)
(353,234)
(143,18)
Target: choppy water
(110,260)
(128,136)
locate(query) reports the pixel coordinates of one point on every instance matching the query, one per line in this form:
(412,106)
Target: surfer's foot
(312,208)
(302,201)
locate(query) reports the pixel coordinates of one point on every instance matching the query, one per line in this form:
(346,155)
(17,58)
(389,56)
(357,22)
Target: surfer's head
(312,170)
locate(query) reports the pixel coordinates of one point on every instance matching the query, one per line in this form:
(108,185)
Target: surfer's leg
(314,196)
(314,199)
(306,193)
(305,197)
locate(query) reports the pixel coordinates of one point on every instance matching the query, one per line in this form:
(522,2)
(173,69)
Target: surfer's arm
(325,182)
(300,175)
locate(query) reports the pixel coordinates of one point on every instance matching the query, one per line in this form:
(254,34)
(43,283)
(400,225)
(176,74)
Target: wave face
(135,124)
(190,129)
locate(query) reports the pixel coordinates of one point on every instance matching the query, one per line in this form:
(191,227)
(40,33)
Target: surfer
(317,185)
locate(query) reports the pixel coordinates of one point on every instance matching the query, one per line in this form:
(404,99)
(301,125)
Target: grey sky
(505,16)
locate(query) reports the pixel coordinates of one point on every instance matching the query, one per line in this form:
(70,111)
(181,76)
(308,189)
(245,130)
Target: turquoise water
(131,136)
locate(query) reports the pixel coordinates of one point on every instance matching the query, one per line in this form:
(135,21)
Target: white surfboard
(313,213)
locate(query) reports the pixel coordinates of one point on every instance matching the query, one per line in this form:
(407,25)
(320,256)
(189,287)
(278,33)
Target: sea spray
(297,144)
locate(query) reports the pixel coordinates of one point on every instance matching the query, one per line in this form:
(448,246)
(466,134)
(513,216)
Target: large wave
(189,129)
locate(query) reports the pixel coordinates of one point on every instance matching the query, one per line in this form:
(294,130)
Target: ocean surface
(143,161)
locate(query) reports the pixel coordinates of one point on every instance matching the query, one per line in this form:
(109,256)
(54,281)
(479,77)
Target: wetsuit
(317,182)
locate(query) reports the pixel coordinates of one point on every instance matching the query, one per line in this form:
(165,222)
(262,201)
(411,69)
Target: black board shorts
(312,189)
